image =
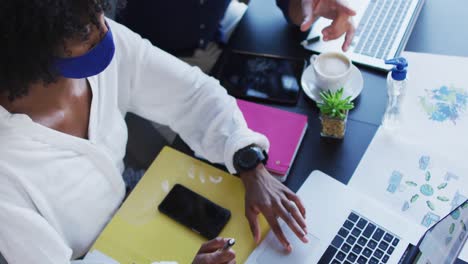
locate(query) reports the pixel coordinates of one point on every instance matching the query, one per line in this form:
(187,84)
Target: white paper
(416,180)
(419,168)
(435,108)
(420,182)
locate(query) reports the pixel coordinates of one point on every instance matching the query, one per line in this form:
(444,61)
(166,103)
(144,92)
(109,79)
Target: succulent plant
(333,105)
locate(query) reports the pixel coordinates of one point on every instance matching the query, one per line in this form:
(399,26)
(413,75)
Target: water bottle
(396,89)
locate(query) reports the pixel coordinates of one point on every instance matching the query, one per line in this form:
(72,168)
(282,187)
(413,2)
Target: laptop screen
(443,242)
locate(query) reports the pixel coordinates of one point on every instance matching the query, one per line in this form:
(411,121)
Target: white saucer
(352,88)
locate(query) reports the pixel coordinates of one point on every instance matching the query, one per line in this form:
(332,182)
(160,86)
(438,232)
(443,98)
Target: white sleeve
(26,237)
(168,91)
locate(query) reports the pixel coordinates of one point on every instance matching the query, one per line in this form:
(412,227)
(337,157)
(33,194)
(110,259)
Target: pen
(310,41)
(229,244)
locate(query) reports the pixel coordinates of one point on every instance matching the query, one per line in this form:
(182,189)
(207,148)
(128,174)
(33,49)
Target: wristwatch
(248,158)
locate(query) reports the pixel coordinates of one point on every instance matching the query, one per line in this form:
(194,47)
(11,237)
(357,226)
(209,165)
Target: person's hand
(305,12)
(264,194)
(212,252)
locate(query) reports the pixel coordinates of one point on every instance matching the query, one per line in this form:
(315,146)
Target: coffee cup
(332,70)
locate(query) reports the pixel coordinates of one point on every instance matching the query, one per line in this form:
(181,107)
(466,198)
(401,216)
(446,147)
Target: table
(263,29)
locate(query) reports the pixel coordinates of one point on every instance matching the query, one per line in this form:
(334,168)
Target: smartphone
(194,211)
(260,77)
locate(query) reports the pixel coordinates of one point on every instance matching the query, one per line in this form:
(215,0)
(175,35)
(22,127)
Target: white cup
(332,70)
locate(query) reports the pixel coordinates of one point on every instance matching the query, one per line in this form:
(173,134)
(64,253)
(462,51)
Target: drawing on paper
(444,104)
(457,200)
(424,189)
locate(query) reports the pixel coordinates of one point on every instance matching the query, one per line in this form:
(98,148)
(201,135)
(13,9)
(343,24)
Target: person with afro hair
(68,77)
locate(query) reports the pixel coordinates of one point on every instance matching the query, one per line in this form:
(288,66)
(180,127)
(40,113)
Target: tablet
(259,77)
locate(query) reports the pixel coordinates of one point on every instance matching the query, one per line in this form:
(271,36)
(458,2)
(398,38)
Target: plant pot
(333,127)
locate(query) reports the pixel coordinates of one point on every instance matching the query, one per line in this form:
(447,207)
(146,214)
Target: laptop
(348,227)
(383,28)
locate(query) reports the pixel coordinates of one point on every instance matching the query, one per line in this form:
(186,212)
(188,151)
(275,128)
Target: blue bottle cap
(400,70)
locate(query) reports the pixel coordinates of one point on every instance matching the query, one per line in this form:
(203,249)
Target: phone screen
(260,77)
(195,211)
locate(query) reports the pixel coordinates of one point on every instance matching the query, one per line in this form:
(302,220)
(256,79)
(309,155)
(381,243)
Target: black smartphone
(260,77)
(194,211)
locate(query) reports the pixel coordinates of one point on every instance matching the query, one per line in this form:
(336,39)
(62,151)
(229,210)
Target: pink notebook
(283,129)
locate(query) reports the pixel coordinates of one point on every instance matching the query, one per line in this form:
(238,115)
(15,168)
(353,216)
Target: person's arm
(168,91)
(304,13)
(26,237)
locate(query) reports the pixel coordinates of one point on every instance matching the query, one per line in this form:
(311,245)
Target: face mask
(92,63)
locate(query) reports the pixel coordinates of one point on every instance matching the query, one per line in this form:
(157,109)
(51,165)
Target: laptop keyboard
(378,28)
(360,241)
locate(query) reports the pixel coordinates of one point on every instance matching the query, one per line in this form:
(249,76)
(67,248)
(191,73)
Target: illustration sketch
(424,188)
(444,103)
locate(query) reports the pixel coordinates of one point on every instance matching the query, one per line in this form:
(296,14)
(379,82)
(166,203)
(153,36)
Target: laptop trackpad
(275,253)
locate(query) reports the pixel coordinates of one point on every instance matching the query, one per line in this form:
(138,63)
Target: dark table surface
(442,28)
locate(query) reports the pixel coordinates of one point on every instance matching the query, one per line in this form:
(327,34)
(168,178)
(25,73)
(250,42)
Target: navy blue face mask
(92,63)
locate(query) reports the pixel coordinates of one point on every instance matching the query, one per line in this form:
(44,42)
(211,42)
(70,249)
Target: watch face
(249,159)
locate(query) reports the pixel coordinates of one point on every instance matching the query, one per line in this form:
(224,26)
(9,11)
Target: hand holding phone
(194,211)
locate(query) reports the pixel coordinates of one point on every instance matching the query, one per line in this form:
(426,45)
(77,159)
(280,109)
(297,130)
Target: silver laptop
(347,227)
(383,28)
(373,244)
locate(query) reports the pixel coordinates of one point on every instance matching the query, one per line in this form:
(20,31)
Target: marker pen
(307,42)
(229,244)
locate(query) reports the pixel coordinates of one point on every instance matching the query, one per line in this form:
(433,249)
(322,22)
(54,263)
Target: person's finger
(275,227)
(219,256)
(307,14)
(291,222)
(213,245)
(222,256)
(349,36)
(291,207)
(252,218)
(293,197)
(231,262)
(337,28)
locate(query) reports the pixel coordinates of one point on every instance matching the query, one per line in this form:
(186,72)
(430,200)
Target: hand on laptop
(306,12)
(213,252)
(266,195)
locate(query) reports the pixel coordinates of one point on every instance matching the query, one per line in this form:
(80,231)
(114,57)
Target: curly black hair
(32,33)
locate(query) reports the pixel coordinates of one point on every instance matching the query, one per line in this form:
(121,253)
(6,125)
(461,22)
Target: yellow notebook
(140,234)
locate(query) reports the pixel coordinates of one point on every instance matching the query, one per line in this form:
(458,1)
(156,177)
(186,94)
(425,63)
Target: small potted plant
(334,113)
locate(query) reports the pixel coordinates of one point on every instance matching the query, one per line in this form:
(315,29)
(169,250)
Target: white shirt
(57,191)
